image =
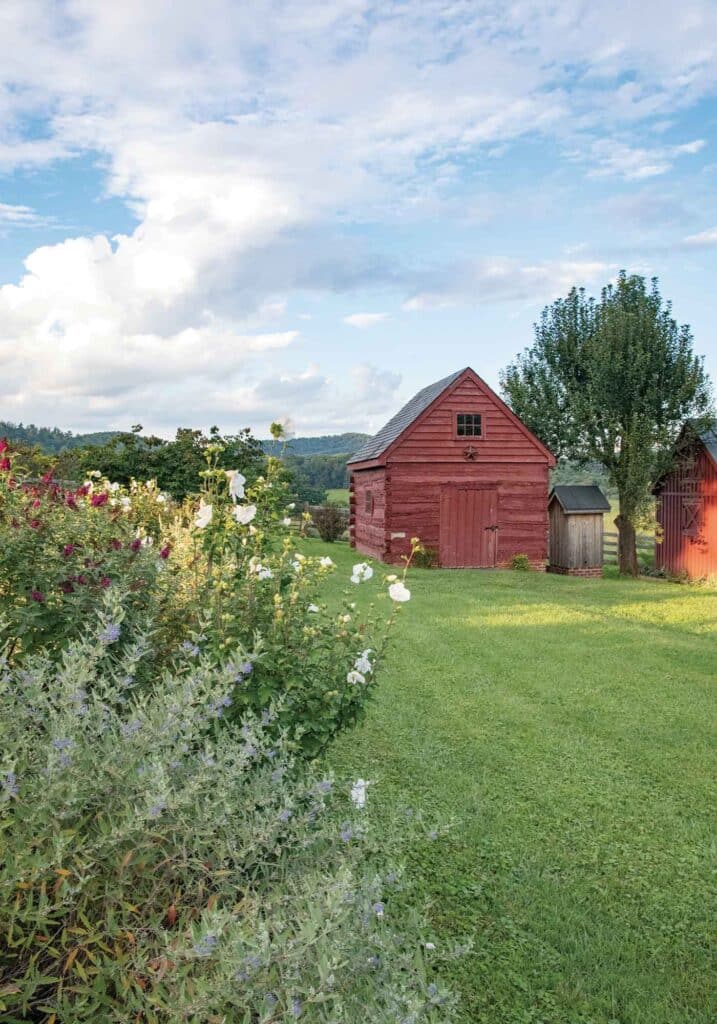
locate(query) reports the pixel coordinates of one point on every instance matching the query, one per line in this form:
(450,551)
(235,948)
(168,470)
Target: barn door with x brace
(468,529)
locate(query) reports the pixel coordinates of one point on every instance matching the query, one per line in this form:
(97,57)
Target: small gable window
(368,503)
(469,424)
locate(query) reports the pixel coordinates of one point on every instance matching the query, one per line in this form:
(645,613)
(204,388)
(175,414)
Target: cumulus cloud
(364,320)
(702,240)
(505,281)
(362,398)
(613,158)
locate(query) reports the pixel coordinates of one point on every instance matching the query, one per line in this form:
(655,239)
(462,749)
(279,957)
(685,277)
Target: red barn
(687,510)
(456,468)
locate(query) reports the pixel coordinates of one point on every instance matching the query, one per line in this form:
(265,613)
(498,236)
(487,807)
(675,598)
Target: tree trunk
(626,544)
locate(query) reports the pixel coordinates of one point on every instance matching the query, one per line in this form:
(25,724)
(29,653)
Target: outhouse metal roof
(580,498)
(377,445)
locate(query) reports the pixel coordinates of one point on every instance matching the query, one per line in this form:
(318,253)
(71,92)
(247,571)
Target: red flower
(99,499)
(4,445)
(37,595)
(5,463)
(164,553)
(82,491)
(136,544)
(105,581)
(69,549)
(47,478)
(70,501)
(66,587)
(36,503)
(81,580)
(35,524)
(116,544)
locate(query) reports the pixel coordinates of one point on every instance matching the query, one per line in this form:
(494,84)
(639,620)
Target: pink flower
(5,464)
(35,524)
(70,501)
(105,581)
(82,491)
(99,499)
(82,580)
(116,544)
(37,595)
(36,503)
(136,544)
(164,553)
(4,445)
(69,549)
(66,587)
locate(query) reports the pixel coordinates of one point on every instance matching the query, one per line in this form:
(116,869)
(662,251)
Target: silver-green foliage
(158,865)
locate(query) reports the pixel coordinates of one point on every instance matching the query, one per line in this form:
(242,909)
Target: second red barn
(456,468)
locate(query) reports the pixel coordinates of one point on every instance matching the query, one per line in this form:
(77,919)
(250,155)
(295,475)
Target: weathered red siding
(367,530)
(428,460)
(687,513)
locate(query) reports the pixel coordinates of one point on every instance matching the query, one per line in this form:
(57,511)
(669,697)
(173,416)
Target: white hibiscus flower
(399,592)
(236,484)
(244,514)
(361,572)
(204,515)
(363,663)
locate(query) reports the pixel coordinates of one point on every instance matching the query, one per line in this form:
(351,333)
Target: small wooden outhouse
(575,514)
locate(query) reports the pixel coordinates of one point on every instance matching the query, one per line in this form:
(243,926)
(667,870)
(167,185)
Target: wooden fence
(645,547)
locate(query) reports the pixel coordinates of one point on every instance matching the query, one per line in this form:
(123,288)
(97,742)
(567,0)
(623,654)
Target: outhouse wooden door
(468,534)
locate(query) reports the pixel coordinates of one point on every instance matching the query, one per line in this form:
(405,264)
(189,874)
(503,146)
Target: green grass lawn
(567,728)
(338,496)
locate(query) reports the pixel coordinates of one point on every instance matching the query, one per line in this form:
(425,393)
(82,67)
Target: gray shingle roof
(378,444)
(580,498)
(709,440)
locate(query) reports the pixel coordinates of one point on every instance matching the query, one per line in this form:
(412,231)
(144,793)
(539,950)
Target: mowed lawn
(567,727)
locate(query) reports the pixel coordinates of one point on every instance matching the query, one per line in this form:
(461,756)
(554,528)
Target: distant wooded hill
(327,444)
(52,439)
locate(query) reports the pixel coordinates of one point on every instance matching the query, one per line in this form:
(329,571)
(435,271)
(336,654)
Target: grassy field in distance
(338,496)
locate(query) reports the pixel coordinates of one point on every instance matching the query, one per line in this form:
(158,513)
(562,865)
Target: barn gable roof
(580,498)
(377,445)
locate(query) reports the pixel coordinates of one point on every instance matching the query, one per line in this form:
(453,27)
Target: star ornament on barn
(470,452)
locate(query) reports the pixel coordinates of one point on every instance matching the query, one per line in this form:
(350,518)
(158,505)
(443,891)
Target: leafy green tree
(612,381)
(175,465)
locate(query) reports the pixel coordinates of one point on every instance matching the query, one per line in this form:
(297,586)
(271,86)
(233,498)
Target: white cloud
(613,158)
(505,280)
(702,239)
(364,320)
(18,216)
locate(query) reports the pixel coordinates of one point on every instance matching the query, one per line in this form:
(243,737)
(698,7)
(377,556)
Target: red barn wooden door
(468,526)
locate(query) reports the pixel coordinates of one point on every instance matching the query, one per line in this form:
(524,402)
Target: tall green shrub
(161,866)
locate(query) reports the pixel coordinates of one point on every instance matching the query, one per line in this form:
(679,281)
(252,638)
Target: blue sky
(217,215)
